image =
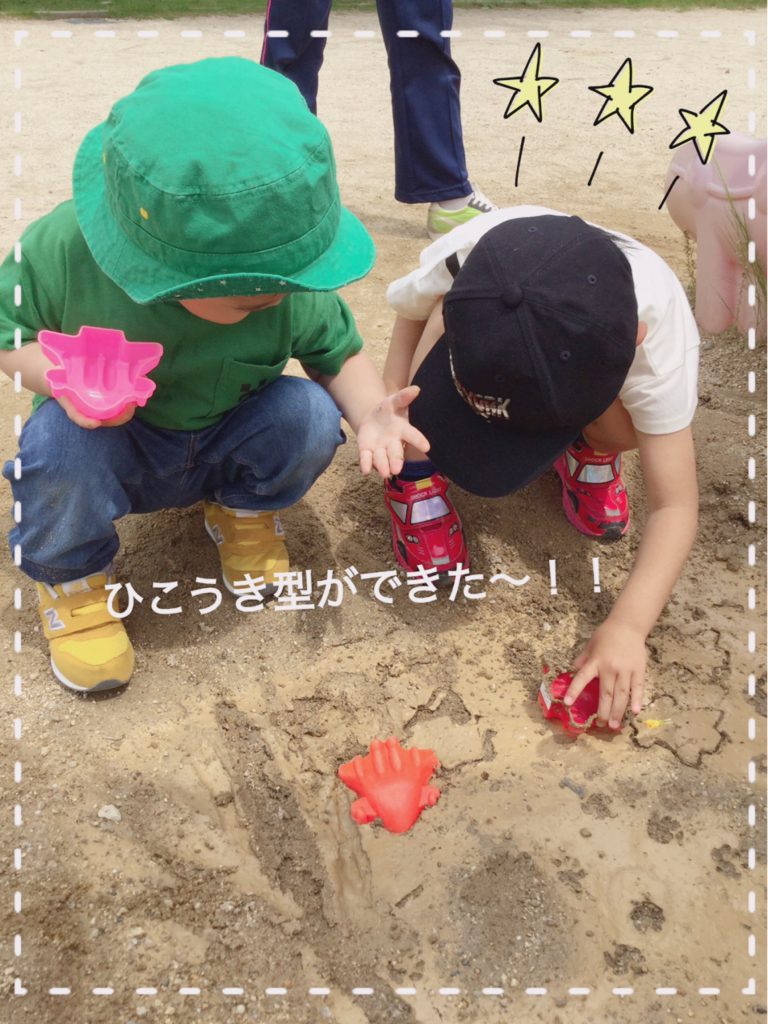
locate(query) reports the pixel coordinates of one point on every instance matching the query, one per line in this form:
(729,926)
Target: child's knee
(52,445)
(314,420)
(64,473)
(324,417)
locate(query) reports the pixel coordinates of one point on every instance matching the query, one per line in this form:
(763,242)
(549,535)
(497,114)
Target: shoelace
(479,201)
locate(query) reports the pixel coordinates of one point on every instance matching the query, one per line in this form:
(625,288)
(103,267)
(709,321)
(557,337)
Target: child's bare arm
(30,362)
(616,650)
(405,338)
(378,420)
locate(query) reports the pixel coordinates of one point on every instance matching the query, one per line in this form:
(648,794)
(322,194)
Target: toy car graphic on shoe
(426,529)
(594,496)
(99,371)
(391,783)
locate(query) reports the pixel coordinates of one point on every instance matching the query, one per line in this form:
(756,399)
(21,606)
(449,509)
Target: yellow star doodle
(529,88)
(621,96)
(702,126)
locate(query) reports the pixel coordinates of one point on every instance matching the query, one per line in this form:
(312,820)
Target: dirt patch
(512,926)
(626,960)
(647,916)
(598,805)
(663,829)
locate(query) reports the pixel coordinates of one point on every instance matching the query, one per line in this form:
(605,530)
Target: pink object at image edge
(722,204)
(99,370)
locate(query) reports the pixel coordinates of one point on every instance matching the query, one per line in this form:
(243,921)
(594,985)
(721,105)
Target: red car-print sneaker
(426,529)
(594,496)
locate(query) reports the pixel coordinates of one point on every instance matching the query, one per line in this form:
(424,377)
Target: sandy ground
(234,866)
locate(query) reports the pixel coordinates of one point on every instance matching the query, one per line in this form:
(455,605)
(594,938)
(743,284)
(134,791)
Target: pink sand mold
(99,371)
(708,202)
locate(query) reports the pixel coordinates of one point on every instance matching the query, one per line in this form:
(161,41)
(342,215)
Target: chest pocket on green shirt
(238,381)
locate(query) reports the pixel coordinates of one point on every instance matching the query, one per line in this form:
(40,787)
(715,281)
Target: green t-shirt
(206,368)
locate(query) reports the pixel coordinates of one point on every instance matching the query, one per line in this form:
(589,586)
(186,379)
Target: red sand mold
(580,716)
(391,783)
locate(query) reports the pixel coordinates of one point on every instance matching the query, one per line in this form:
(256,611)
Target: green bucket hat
(214,179)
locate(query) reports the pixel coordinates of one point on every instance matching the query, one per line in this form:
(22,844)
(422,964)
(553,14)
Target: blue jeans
(264,455)
(424,81)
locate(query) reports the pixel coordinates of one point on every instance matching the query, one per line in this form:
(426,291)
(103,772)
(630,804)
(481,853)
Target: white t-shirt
(660,390)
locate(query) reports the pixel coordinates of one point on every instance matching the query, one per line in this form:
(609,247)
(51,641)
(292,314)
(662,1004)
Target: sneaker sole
(434,235)
(105,684)
(613,533)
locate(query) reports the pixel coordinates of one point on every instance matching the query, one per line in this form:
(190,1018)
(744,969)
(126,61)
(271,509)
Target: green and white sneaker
(440,220)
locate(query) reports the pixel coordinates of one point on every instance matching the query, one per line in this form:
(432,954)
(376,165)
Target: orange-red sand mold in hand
(392,784)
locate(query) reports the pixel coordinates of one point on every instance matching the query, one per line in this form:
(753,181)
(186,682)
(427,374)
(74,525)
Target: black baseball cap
(540,333)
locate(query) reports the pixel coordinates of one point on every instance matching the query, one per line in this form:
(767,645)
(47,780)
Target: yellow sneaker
(248,542)
(90,650)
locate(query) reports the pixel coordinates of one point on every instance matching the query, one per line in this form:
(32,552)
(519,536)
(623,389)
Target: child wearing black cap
(540,340)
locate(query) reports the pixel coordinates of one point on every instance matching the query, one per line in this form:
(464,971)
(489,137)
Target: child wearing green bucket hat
(205,216)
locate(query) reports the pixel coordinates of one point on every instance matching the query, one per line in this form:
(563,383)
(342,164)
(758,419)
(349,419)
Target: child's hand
(383,432)
(615,653)
(90,424)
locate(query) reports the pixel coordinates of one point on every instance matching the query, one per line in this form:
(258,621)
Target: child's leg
(433,330)
(429,149)
(262,457)
(66,486)
(611,432)
(69,484)
(426,528)
(595,499)
(299,55)
(267,453)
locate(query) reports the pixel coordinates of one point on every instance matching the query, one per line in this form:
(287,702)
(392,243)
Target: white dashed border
(194,33)
(750,989)
(278,992)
